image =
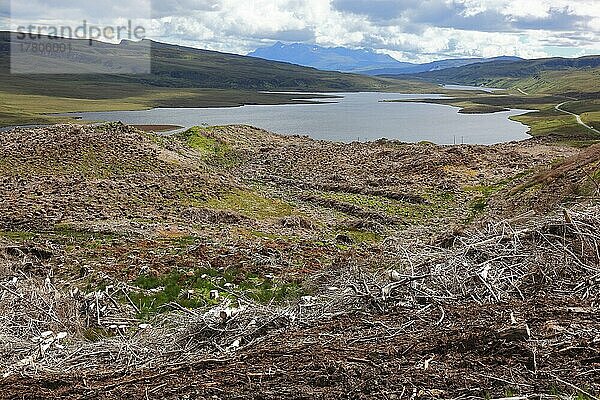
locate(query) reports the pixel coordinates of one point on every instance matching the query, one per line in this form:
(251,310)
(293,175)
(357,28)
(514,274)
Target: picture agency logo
(108,39)
(84,31)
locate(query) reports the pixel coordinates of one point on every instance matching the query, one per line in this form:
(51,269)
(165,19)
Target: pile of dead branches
(52,326)
(554,256)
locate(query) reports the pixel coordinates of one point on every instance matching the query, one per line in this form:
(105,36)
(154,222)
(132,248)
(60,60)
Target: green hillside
(581,83)
(507,73)
(554,87)
(180,77)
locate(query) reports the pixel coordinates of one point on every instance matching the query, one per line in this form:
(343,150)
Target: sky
(408,30)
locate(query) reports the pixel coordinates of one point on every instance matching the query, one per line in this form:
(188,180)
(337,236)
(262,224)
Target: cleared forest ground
(235,263)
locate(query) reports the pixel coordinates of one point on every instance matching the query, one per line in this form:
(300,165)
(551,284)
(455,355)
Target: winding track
(578,117)
(522,92)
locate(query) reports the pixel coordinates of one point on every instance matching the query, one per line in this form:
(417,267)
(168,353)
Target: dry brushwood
(42,319)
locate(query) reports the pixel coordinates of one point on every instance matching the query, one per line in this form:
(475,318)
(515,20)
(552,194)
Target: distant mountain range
(364,61)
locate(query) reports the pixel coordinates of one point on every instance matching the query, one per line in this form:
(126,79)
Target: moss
(486,191)
(192,289)
(149,304)
(252,205)
(213,149)
(407,211)
(590,187)
(482,193)
(18,235)
(478,205)
(362,236)
(69,234)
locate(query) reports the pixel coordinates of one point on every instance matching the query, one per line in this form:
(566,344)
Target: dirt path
(578,117)
(523,92)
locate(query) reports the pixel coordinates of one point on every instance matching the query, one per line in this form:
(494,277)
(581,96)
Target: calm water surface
(356,116)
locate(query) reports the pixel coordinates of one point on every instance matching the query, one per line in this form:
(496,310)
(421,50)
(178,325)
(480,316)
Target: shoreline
(336,123)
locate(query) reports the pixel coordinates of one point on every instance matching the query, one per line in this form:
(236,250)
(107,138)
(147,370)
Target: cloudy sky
(409,30)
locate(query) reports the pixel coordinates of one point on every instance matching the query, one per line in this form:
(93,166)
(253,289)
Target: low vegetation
(201,288)
(211,147)
(251,205)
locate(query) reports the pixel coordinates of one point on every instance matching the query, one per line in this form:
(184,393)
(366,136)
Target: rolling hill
(178,77)
(177,66)
(439,65)
(503,73)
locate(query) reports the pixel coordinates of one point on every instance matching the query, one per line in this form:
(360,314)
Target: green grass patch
(486,190)
(481,109)
(552,122)
(482,193)
(84,238)
(592,118)
(252,205)
(20,236)
(363,236)
(582,106)
(478,205)
(212,148)
(407,211)
(192,289)
(65,234)
(578,144)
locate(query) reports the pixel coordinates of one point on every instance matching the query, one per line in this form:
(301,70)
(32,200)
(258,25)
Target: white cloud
(421,30)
